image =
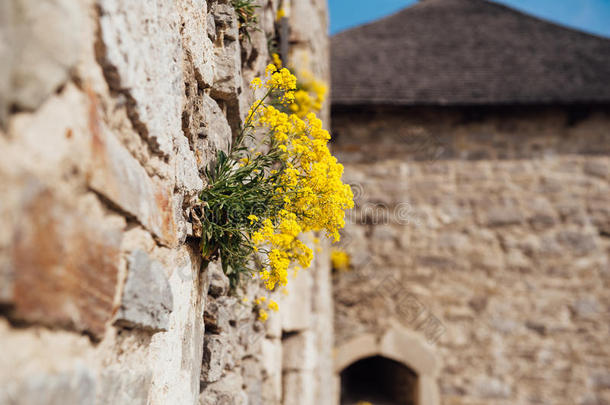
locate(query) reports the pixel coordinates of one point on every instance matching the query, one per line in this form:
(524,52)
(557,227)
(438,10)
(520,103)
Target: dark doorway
(380,381)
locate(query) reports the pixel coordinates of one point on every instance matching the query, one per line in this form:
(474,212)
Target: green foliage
(241,184)
(246,14)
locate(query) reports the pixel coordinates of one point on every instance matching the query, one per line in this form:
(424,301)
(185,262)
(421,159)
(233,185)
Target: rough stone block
(501,215)
(218,313)
(120,178)
(296,305)
(124,385)
(600,380)
(492,388)
(199,47)
(578,242)
(299,351)
(585,307)
(211,27)
(225,21)
(271,355)
(135,38)
(175,356)
(600,214)
(253,381)
(219,282)
(215,353)
(227,76)
(64,262)
(597,168)
(214,135)
(55,137)
(307,25)
(74,387)
(6,56)
(147,297)
(37,52)
(297,388)
(187,176)
(227,391)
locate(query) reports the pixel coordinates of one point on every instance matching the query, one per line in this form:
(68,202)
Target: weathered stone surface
(37,53)
(69,387)
(502,215)
(308,22)
(597,168)
(297,388)
(227,391)
(520,231)
(225,21)
(601,379)
(120,178)
(492,388)
(147,297)
(187,176)
(299,351)
(600,214)
(253,380)
(227,76)
(7,56)
(135,37)
(215,353)
(271,354)
(214,134)
(199,47)
(124,386)
(218,313)
(586,307)
(56,136)
(579,243)
(64,262)
(175,356)
(121,143)
(296,305)
(219,282)
(211,27)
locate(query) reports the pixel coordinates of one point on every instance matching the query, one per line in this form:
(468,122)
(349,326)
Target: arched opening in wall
(379,381)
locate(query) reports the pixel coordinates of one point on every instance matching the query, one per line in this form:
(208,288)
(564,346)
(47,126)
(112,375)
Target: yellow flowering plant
(340,260)
(278,181)
(309,94)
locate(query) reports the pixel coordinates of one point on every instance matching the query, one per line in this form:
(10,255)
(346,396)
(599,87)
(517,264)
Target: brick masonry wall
(490,238)
(109,111)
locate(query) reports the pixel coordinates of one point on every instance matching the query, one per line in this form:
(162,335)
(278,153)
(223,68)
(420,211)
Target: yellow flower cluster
(310,96)
(277,61)
(340,260)
(278,80)
(284,248)
(263,315)
(315,198)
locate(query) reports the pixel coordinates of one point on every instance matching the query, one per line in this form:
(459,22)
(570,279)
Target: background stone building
(477,141)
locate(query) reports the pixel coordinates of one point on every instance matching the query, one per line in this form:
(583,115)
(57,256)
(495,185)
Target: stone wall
(109,112)
(487,235)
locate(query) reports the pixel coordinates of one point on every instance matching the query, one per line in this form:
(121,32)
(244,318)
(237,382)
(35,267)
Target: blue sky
(587,15)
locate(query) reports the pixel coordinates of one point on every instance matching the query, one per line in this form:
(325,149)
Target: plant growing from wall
(278,181)
(309,94)
(246,15)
